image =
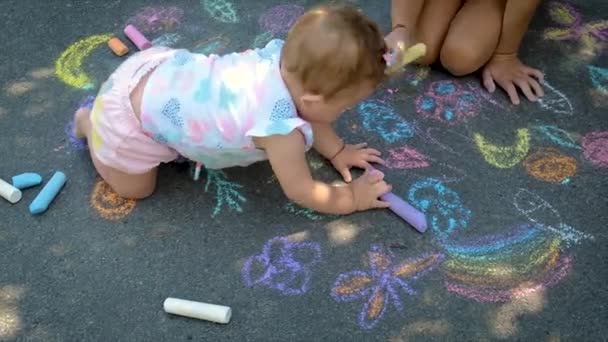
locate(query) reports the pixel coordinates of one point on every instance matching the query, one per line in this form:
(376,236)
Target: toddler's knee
(461,60)
(136,194)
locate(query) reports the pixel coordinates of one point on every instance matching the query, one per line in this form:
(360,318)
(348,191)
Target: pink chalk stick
(137,37)
(404,210)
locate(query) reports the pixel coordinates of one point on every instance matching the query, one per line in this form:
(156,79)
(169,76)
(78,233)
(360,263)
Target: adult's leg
(472,36)
(433,25)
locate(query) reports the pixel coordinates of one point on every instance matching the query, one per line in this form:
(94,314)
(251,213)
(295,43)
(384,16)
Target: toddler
(273,103)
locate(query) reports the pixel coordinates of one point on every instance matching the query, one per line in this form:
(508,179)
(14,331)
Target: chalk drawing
(221,10)
(504,157)
(557,135)
(550,165)
(167,39)
(500,268)
(485,96)
(68,67)
(590,35)
(226,192)
(554,100)
(599,78)
(75,142)
(108,204)
(279,19)
(383,283)
(283,266)
(262,39)
(432,138)
(543,215)
(383,120)
(157,18)
(310,214)
(447,102)
(406,158)
(595,148)
(441,205)
(415,75)
(215,45)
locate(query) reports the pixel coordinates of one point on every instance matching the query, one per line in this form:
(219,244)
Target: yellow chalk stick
(413,53)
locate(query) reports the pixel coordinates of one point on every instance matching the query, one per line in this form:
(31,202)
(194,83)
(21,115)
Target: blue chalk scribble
(383,120)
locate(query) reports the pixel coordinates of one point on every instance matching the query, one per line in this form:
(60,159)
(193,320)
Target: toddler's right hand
(368,188)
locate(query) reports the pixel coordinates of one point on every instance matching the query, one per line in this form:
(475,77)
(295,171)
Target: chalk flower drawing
(283,265)
(448,102)
(383,120)
(221,10)
(279,19)
(595,148)
(550,165)
(383,283)
(226,192)
(504,157)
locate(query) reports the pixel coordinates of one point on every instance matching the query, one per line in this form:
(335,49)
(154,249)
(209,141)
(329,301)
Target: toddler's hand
(508,71)
(368,188)
(355,155)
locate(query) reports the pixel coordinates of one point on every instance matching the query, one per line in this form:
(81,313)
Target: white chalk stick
(9,192)
(208,312)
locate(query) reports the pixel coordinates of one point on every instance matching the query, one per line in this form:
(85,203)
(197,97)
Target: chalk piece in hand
(118,47)
(9,192)
(26,180)
(137,37)
(48,193)
(411,54)
(404,210)
(208,312)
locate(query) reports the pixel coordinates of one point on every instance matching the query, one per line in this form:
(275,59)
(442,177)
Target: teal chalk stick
(26,180)
(44,198)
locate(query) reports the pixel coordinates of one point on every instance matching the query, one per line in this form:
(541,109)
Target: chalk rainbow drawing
(226,192)
(441,205)
(262,39)
(382,119)
(214,45)
(383,283)
(167,39)
(554,100)
(279,19)
(573,28)
(504,157)
(221,10)
(599,78)
(157,18)
(595,148)
(544,216)
(447,102)
(557,135)
(500,268)
(406,158)
(550,165)
(108,204)
(68,67)
(283,266)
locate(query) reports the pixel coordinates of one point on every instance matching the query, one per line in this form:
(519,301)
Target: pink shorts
(117,138)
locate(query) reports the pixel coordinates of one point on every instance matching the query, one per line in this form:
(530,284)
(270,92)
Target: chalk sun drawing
(546,217)
(157,18)
(221,10)
(68,67)
(555,101)
(599,78)
(550,165)
(447,102)
(383,120)
(595,148)
(500,268)
(283,266)
(108,204)
(383,284)
(226,192)
(406,158)
(279,19)
(504,157)
(441,205)
(557,135)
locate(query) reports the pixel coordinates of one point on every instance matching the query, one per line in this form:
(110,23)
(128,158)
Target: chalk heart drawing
(447,102)
(546,217)
(557,135)
(406,158)
(442,206)
(68,67)
(157,18)
(550,165)
(279,19)
(226,192)
(599,78)
(504,157)
(383,120)
(590,35)
(108,204)
(501,268)
(213,45)
(554,100)
(221,10)
(383,284)
(283,266)
(595,148)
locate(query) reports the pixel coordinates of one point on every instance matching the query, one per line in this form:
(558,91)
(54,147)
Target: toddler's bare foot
(81,122)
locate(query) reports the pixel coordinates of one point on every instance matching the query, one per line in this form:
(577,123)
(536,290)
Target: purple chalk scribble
(595,147)
(279,19)
(157,18)
(77,143)
(283,265)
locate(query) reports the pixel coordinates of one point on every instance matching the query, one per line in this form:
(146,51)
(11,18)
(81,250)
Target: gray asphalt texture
(76,273)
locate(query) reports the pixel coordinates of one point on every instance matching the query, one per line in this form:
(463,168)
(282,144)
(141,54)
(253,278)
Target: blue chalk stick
(26,180)
(48,193)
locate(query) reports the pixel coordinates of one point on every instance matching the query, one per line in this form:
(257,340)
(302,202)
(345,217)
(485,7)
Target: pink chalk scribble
(406,158)
(595,148)
(447,102)
(279,19)
(157,18)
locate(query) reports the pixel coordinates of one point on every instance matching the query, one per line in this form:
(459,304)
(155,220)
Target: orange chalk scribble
(108,204)
(550,165)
